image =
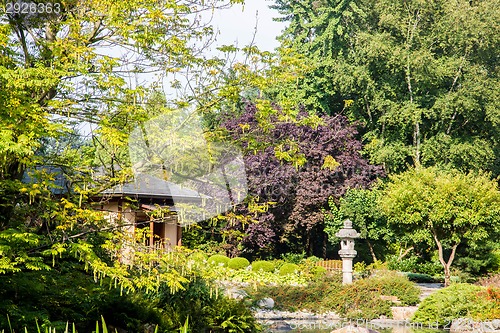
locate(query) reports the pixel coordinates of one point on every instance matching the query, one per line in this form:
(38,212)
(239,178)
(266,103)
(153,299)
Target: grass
(98,328)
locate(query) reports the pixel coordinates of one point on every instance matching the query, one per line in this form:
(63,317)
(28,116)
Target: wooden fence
(331,265)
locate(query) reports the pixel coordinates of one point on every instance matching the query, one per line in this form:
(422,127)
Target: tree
(296,164)
(420,76)
(81,63)
(360,206)
(447,208)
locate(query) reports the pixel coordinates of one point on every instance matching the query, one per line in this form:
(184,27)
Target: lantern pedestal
(347,252)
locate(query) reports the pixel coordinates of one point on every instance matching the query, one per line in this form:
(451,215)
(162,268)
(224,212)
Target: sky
(237,25)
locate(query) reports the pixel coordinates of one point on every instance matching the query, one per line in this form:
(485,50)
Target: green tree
(447,208)
(420,76)
(360,206)
(82,63)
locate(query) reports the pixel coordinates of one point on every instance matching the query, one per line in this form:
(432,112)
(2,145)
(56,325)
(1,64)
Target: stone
(354,329)
(466,325)
(266,303)
(403,312)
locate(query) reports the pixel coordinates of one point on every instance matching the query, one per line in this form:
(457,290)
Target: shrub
(218,260)
(318,272)
(206,311)
(238,263)
(353,301)
(263,265)
(459,301)
(357,301)
(431,268)
(293,258)
(420,278)
(490,281)
(198,256)
(68,294)
(393,284)
(289,268)
(408,264)
(294,298)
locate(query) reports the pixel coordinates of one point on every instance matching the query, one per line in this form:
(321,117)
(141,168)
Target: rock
(403,312)
(281,326)
(266,303)
(354,329)
(464,325)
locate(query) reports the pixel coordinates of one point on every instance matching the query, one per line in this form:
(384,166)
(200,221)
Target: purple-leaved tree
(296,165)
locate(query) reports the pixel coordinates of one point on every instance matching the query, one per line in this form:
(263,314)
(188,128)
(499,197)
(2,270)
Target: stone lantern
(347,252)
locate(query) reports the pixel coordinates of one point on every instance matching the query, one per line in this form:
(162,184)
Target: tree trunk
(324,245)
(374,257)
(447,275)
(403,254)
(446,264)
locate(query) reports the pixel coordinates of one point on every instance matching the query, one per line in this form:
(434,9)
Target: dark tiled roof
(145,185)
(61,183)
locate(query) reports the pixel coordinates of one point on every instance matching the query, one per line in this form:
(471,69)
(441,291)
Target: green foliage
(318,272)
(361,206)
(262,265)
(67,328)
(295,298)
(261,277)
(358,300)
(238,263)
(447,208)
(289,268)
(420,102)
(66,293)
(199,256)
(459,301)
(207,309)
(420,278)
(218,260)
(293,258)
(393,284)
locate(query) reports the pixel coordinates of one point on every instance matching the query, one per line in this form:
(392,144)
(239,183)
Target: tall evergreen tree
(422,77)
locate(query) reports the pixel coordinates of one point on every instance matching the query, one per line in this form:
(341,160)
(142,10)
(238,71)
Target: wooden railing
(331,265)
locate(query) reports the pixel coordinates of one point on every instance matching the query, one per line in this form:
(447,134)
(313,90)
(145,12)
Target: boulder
(403,312)
(266,303)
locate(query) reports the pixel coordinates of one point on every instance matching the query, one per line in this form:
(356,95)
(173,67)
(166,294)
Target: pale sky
(237,25)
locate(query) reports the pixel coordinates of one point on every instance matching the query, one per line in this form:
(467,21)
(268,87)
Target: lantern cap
(347,231)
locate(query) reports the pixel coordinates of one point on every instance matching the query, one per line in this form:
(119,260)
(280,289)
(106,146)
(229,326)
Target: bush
(294,298)
(294,258)
(218,260)
(358,301)
(490,281)
(238,263)
(198,256)
(289,268)
(318,272)
(420,278)
(459,301)
(206,311)
(263,265)
(393,284)
(409,264)
(353,301)
(430,268)
(67,293)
